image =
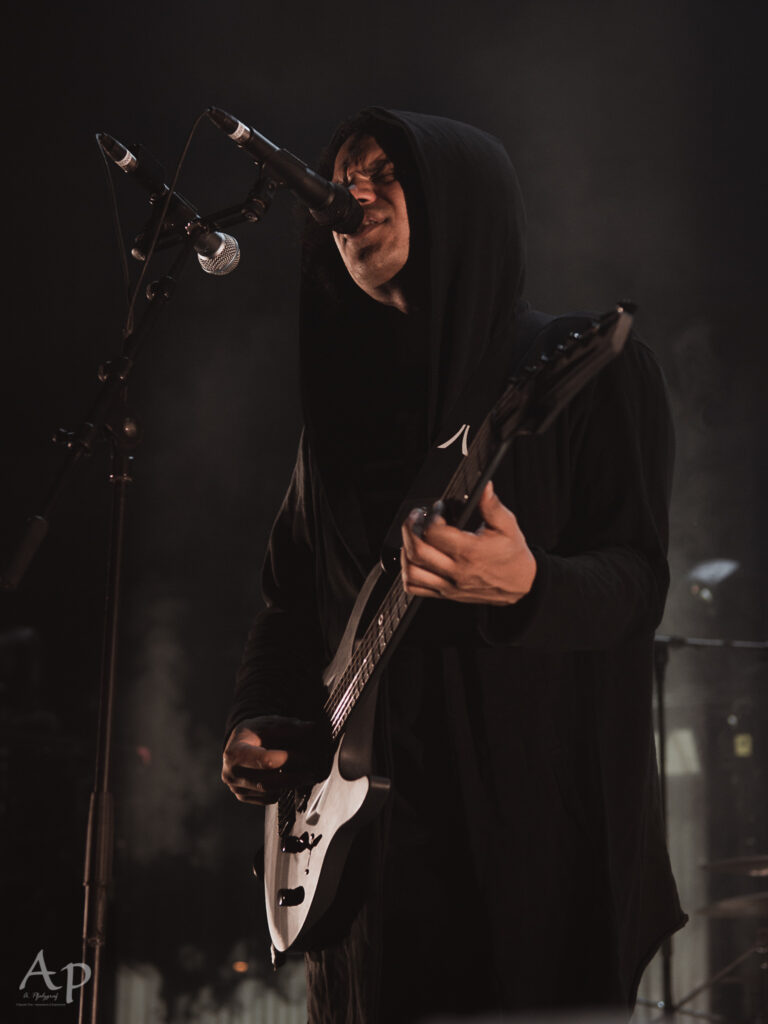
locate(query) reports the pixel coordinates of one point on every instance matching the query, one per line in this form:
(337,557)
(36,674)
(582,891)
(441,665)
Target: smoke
(170,776)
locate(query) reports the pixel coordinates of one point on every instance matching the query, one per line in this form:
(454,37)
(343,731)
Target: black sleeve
(608,576)
(280,671)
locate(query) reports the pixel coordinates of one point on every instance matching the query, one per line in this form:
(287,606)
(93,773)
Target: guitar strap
(535,332)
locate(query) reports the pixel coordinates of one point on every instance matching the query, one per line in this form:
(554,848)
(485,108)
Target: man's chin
(367,266)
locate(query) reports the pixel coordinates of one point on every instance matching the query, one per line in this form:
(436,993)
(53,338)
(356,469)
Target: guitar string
(348,690)
(353,679)
(364,649)
(364,660)
(378,634)
(393,616)
(361,665)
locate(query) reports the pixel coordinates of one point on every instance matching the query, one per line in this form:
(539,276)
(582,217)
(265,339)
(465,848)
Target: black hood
(465,272)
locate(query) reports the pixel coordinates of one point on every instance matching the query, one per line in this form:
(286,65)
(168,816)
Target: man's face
(379,250)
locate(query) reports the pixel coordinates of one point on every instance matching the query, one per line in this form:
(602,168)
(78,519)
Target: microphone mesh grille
(225,260)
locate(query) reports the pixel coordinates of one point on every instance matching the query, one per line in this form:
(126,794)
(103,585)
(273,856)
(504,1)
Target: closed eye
(380,172)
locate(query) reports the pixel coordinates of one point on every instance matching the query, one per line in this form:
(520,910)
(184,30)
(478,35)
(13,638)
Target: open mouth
(366,226)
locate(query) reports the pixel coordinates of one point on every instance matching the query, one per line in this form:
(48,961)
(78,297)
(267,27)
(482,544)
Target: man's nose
(362,188)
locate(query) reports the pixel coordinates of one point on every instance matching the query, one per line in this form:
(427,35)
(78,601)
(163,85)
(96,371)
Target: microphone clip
(260,197)
(172,227)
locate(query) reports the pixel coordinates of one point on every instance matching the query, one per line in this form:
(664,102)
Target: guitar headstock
(529,404)
(544,386)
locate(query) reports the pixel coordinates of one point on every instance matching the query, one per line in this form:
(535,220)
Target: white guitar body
(335,810)
(303,863)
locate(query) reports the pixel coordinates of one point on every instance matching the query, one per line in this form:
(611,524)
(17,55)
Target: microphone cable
(131,297)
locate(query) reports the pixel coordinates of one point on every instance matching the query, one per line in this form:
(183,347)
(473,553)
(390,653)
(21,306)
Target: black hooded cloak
(521,862)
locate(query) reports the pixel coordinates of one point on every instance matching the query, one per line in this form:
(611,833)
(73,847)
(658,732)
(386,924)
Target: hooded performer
(520,860)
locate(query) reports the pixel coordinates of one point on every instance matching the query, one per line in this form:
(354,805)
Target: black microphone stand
(124,435)
(110,417)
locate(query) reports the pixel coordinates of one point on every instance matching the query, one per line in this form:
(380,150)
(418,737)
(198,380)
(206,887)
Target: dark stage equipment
(704,582)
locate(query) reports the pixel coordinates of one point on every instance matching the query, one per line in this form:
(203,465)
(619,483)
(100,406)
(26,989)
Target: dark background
(635,131)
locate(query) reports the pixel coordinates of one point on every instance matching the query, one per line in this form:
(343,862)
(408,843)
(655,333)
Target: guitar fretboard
(384,624)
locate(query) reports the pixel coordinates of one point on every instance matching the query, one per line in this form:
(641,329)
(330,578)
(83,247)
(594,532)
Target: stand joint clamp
(162,288)
(115,369)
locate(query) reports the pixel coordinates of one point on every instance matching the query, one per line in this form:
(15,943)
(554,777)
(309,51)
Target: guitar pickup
(290,897)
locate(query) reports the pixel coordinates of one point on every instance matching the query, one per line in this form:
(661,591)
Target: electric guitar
(308,833)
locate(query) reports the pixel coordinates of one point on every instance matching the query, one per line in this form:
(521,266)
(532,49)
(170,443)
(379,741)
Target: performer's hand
(492,566)
(266,755)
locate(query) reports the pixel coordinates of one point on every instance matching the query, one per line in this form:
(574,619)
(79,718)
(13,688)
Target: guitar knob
(290,897)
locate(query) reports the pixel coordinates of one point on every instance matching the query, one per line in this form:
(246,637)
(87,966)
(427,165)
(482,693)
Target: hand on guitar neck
(266,755)
(491,566)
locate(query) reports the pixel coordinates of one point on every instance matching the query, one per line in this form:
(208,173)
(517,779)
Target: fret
(373,645)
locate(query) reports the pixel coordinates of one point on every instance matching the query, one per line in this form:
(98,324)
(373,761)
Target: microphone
(217,253)
(329,204)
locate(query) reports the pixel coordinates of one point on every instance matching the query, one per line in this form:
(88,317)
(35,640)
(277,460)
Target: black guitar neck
(529,404)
